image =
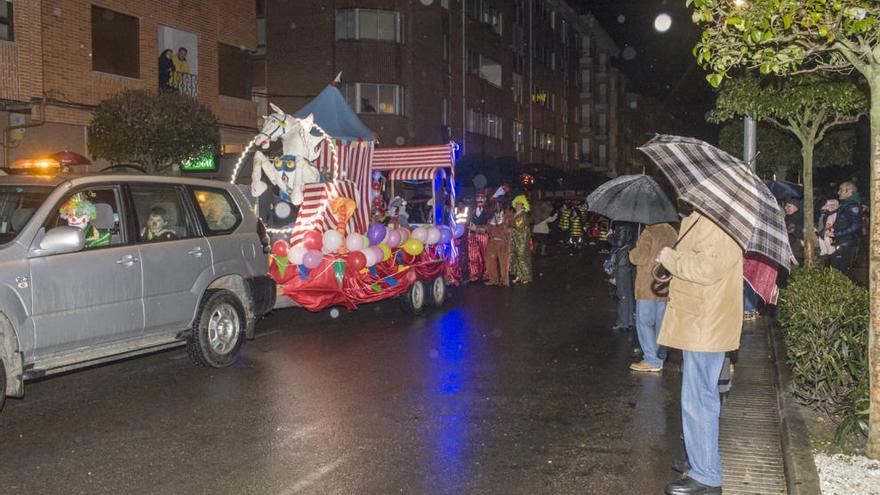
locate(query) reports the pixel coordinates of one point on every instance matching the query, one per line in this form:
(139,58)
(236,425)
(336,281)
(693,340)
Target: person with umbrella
(650,296)
(735,215)
(636,199)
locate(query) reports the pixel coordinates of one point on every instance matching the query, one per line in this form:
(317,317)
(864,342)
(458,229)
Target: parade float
(340,247)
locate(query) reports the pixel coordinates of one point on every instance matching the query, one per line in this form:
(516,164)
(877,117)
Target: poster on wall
(178,61)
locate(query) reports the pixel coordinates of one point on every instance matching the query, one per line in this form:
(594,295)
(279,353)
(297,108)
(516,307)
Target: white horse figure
(300,149)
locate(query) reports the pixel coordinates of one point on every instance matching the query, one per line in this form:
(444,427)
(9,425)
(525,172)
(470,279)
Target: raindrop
(292,25)
(621,18)
(629,53)
(334,313)
(433,354)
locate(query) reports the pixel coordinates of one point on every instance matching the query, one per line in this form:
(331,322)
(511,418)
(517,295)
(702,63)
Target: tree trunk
(874,270)
(807,148)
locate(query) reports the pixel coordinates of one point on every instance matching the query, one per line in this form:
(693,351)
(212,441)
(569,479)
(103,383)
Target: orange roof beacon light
(39,166)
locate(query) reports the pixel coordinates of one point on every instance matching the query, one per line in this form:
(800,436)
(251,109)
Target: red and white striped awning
(413,173)
(427,159)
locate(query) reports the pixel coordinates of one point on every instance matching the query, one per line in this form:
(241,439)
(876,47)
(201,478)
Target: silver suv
(95,268)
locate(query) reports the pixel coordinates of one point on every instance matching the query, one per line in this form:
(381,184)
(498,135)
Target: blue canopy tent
(333,114)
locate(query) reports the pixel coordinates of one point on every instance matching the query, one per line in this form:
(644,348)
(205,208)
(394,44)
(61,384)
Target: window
(160,213)
(564,110)
(603,122)
(603,92)
(96,212)
(445,116)
(369,24)
(563,147)
(484,67)
(235,72)
(375,98)
(115,43)
(586,110)
(518,141)
(486,124)
(577,151)
(261,36)
(219,213)
(587,147)
(17,205)
(6,32)
(603,154)
(444,4)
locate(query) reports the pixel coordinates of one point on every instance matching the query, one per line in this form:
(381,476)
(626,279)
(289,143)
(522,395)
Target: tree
(156,130)
(791,36)
(807,107)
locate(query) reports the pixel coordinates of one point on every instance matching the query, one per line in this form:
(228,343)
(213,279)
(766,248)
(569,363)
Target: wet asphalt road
(521,390)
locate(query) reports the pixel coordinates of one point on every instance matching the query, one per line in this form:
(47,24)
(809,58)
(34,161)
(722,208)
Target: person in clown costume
(520,240)
(478,239)
(80,213)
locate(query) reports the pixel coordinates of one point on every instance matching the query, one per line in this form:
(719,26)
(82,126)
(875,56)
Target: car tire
(219,330)
(2,383)
(413,300)
(438,292)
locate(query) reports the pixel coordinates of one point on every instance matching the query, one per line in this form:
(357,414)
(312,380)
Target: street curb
(800,468)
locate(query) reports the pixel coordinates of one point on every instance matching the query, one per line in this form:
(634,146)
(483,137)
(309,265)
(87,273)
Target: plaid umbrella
(632,198)
(724,189)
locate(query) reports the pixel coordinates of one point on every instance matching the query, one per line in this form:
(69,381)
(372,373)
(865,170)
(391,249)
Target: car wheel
(218,332)
(414,298)
(2,383)
(438,292)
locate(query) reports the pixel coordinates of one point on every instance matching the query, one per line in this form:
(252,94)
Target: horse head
(275,125)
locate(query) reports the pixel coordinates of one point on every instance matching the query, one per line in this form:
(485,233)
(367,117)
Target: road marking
(313,477)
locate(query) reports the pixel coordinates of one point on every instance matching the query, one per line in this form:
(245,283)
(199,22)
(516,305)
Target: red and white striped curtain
(354,165)
(315,214)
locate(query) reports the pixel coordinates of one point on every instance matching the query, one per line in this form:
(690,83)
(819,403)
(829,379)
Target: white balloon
(370,255)
(296,253)
(420,233)
(433,236)
(354,242)
(282,210)
(332,241)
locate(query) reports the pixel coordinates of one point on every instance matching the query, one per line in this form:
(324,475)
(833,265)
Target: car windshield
(17,206)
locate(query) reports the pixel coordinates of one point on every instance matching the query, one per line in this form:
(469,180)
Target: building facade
(60,58)
(529,79)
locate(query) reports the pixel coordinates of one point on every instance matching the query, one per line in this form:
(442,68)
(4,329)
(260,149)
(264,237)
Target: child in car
(157,226)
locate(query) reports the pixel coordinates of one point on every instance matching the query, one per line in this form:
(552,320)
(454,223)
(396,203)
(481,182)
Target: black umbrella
(782,189)
(632,198)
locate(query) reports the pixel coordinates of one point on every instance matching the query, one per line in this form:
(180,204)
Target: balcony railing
(185,84)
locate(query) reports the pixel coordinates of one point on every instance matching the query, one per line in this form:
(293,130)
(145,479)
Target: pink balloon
(420,233)
(393,238)
(312,258)
(371,257)
(354,242)
(378,252)
(404,235)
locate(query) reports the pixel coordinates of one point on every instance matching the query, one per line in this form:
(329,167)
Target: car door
(175,256)
(91,297)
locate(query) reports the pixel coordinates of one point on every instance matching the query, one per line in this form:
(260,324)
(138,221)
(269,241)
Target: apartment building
(530,79)
(60,58)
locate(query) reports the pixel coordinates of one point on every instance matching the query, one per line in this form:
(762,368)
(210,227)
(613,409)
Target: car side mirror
(61,240)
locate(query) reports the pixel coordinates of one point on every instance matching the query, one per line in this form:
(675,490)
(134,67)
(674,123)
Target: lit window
(385,99)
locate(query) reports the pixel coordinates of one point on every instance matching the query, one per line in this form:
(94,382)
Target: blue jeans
(700,414)
(649,317)
(750,297)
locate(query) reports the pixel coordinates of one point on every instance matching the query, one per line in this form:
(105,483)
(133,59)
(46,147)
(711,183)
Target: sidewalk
(763,441)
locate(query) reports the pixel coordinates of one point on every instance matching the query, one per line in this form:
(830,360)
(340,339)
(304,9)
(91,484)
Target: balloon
(433,236)
(370,255)
(366,240)
(282,209)
(354,242)
(296,254)
(420,233)
(280,248)
(380,255)
(392,239)
(404,235)
(312,258)
(376,233)
(332,241)
(413,247)
(459,230)
(313,240)
(356,261)
(445,234)
(386,251)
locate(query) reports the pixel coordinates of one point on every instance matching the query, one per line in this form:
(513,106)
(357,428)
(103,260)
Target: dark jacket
(848,223)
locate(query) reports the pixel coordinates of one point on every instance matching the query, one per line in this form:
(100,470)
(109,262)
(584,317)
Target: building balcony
(183,83)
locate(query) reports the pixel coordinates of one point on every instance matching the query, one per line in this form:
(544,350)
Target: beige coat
(706,293)
(643,256)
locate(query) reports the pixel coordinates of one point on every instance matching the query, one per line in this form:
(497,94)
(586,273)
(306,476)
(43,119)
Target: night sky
(660,65)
